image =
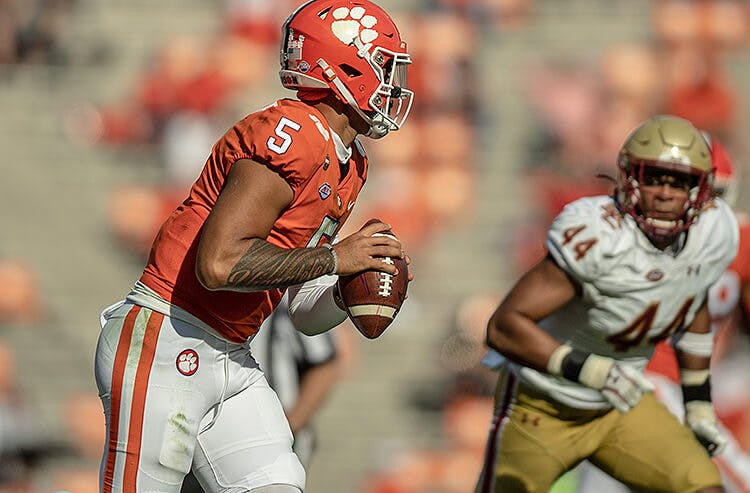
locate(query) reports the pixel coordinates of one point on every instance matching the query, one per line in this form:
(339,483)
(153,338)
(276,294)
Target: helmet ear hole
(350,71)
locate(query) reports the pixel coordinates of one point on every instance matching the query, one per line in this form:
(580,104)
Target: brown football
(373,298)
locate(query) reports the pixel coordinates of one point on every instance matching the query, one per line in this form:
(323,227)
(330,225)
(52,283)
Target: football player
(728,305)
(621,274)
(179,385)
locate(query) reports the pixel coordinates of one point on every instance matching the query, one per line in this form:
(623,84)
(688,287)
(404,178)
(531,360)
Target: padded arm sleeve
(312,307)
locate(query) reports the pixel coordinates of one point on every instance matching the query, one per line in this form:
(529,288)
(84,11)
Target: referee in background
(301,369)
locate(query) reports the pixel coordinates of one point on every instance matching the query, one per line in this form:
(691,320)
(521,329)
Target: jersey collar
(343,153)
(672,250)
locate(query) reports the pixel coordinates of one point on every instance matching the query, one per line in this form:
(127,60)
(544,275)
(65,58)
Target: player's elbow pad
(312,307)
(695,344)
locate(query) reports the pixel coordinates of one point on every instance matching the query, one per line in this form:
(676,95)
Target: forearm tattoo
(266,266)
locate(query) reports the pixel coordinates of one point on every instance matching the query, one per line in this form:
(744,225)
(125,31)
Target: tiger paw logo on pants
(187,362)
(348,24)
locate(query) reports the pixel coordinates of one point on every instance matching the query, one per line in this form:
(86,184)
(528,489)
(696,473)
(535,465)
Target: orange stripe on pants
(118,372)
(135,431)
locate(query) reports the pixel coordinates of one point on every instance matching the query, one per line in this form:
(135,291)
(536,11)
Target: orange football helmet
(353,48)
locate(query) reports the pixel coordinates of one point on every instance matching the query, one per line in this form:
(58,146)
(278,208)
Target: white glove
(701,419)
(621,384)
(625,386)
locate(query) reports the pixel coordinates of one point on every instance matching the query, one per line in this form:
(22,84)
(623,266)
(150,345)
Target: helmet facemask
(634,173)
(664,150)
(391,102)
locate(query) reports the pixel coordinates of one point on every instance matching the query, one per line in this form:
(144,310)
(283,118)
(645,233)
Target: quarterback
(180,388)
(575,333)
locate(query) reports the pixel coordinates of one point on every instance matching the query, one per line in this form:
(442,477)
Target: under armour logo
(526,419)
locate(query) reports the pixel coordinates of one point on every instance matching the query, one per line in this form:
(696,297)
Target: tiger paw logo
(187,362)
(353,23)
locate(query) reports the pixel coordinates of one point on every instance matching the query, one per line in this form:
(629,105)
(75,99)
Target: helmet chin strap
(378,127)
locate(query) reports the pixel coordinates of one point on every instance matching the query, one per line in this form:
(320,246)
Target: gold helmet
(675,146)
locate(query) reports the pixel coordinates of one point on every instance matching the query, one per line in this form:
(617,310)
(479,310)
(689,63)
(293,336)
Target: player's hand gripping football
(701,419)
(360,251)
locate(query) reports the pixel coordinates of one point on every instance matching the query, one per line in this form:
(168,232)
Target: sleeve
(288,140)
(574,241)
(312,307)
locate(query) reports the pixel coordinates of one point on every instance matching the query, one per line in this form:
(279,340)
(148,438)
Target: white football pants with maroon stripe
(177,397)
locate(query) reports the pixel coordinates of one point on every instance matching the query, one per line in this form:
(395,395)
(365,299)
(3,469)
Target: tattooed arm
(234,255)
(266,266)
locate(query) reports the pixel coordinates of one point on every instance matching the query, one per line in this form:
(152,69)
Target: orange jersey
(725,297)
(292,139)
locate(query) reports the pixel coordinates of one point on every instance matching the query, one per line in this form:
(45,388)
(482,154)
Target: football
(373,298)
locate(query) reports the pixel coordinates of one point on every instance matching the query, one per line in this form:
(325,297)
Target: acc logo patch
(187,362)
(654,275)
(324,191)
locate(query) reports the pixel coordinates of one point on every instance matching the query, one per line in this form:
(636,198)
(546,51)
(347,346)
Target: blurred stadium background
(109,107)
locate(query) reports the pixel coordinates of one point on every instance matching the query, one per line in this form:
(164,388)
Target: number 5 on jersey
(281,142)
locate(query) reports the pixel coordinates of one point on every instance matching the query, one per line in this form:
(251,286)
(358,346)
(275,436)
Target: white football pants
(177,398)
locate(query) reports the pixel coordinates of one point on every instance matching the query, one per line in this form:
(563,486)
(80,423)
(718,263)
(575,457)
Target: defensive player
(180,388)
(727,302)
(622,273)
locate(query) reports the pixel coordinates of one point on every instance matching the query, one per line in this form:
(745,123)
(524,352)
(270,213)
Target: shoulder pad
(289,137)
(582,233)
(718,226)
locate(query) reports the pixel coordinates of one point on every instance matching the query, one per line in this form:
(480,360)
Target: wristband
(554,364)
(335,257)
(696,385)
(572,364)
(578,366)
(699,411)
